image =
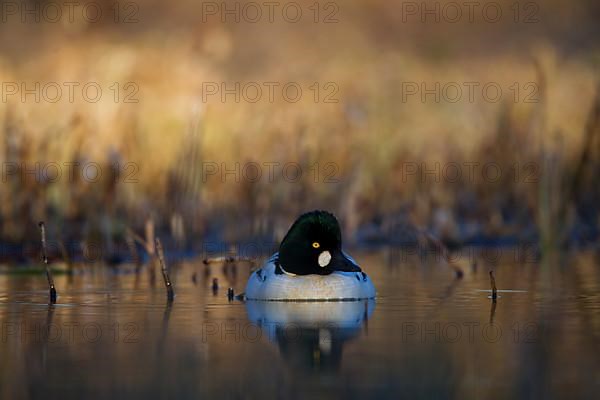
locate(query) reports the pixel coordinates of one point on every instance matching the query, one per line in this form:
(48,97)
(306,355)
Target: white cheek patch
(324,259)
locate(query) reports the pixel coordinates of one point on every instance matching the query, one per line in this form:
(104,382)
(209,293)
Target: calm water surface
(427,335)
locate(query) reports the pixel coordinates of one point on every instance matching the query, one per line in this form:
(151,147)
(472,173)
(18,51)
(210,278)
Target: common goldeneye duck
(310,265)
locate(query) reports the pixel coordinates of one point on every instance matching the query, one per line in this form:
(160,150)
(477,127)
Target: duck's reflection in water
(311,335)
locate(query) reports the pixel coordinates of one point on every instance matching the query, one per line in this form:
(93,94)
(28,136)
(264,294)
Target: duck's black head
(313,245)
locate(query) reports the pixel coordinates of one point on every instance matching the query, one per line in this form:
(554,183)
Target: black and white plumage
(310,266)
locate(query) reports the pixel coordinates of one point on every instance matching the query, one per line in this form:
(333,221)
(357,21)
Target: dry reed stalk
(45,259)
(165,273)
(493,284)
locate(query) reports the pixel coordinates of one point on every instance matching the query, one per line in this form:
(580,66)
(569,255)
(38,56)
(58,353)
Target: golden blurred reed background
(165,56)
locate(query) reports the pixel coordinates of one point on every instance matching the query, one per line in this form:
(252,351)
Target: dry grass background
(370,134)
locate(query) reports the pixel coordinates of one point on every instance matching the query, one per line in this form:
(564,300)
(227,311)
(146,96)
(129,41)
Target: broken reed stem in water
(492,312)
(45,259)
(165,273)
(493,283)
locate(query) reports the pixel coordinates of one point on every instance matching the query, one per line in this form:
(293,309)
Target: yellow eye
(316,245)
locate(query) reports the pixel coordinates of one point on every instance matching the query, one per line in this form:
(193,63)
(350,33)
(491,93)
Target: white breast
(334,314)
(264,284)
